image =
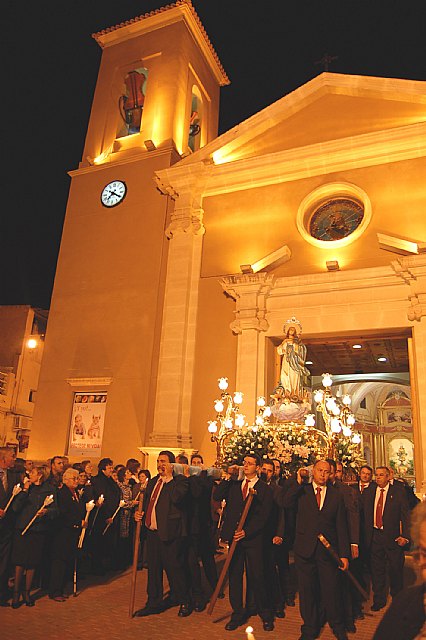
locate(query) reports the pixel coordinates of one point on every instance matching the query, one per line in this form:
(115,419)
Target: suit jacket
(276,521)
(199,504)
(102,485)
(71,512)
(330,520)
(258,515)
(171,507)
(352,506)
(396,514)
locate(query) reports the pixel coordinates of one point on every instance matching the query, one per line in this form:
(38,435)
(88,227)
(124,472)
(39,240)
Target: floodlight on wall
(149,145)
(269,262)
(246,268)
(332,265)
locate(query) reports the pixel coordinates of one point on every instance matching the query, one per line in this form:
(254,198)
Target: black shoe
(290,601)
(350,627)
(377,607)
(148,611)
(232,625)
(199,606)
(268,625)
(280,613)
(185,610)
(29,602)
(342,636)
(16,602)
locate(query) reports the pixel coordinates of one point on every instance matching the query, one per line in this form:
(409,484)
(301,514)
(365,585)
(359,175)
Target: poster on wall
(87,424)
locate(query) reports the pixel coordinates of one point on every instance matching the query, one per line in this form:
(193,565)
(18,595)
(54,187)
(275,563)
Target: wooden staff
(135,557)
(252,493)
(334,555)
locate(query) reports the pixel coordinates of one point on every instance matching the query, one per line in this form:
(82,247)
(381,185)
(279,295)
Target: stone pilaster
(412,270)
(250,292)
(177,351)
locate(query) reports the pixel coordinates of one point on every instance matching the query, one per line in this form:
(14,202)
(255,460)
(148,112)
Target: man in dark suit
(8,479)
(249,550)
(320,509)
(352,508)
(386,532)
(104,546)
(66,530)
(275,565)
(165,527)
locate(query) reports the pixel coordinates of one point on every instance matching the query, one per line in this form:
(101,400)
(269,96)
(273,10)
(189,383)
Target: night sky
(49,67)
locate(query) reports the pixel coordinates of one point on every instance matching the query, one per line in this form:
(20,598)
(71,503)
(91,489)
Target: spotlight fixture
(382,359)
(149,145)
(309,362)
(357,346)
(332,265)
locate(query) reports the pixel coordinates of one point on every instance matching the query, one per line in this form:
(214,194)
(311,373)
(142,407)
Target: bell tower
(156,100)
(158,87)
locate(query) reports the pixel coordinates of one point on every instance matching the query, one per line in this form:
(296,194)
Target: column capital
(412,270)
(249,290)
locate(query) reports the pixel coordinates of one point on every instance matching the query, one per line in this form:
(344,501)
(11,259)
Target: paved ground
(100,611)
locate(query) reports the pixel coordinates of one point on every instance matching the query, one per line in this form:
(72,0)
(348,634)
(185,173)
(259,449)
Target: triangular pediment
(329,107)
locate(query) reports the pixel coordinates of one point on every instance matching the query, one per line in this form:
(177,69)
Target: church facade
(183,253)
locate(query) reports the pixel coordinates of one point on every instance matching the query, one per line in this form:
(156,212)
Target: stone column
(177,349)
(250,292)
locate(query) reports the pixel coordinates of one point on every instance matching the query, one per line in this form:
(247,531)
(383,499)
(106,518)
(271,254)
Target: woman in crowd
(28,548)
(125,537)
(87,467)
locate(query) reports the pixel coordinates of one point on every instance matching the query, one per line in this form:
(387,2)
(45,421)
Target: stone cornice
(394,145)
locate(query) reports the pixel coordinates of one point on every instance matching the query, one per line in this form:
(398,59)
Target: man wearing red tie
(386,526)
(165,528)
(320,509)
(249,550)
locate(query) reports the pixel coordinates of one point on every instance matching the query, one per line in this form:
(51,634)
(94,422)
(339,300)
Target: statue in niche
(131,103)
(291,401)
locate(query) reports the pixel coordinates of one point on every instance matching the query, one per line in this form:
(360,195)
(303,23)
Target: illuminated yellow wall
(248,225)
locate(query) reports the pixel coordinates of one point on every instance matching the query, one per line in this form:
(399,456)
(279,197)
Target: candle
(16,489)
(47,501)
(89,506)
(249,632)
(121,504)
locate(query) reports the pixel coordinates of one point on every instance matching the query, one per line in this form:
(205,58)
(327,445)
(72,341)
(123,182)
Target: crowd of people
(186,512)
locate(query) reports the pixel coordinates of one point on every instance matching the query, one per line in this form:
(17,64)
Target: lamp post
(337,415)
(228,416)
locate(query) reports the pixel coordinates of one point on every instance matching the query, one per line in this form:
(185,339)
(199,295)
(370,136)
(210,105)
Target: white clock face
(113,193)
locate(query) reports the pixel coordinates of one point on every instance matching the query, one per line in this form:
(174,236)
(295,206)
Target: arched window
(131,101)
(194,133)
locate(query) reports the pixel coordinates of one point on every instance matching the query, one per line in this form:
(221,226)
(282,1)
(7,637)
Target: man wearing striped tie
(386,532)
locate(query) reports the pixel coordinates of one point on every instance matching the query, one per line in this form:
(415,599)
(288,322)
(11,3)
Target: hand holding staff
(237,537)
(89,506)
(334,555)
(47,501)
(16,489)
(121,504)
